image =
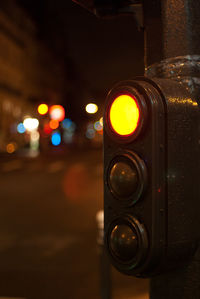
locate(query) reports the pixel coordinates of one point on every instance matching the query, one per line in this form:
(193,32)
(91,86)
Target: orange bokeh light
(11,147)
(54,124)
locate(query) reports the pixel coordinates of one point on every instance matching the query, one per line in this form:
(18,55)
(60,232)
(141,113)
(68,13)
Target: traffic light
(150,175)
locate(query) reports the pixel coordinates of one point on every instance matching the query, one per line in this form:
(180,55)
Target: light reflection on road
(76,182)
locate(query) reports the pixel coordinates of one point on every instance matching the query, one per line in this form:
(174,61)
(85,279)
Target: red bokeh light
(57,112)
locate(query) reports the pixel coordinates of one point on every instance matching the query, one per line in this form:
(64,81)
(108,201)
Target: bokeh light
(43,109)
(98,126)
(90,133)
(68,137)
(11,147)
(101,121)
(35,136)
(66,123)
(56,138)
(47,129)
(57,112)
(34,140)
(91,108)
(20,128)
(54,124)
(31,124)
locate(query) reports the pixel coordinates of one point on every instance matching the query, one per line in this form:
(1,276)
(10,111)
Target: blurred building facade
(29,72)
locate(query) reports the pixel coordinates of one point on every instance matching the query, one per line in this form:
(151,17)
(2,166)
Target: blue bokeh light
(56,138)
(98,126)
(66,123)
(20,128)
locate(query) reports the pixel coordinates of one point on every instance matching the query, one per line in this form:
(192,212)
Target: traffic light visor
(124,115)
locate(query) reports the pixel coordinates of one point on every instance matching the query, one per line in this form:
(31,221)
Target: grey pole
(105,266)
(172,50)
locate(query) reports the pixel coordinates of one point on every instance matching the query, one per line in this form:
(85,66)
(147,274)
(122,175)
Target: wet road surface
(48,229)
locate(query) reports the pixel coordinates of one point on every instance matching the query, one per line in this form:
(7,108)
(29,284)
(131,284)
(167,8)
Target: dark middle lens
(124,179)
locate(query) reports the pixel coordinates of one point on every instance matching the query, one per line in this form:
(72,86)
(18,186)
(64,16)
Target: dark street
(48,228)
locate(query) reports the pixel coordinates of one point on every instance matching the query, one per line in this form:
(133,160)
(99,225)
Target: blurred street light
(101,121)
(47,130)
(34,140)
(11,147)
(56,138)
(91,108)
(20,128)
(98,126)
(31,124)
(57,112)
(43,109)
(54,124)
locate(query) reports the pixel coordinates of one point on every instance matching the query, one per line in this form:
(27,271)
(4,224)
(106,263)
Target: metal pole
(171,29)
(105,266)
(172,50)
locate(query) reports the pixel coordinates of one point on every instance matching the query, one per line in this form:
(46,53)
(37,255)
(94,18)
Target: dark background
(49,201)
(98,52)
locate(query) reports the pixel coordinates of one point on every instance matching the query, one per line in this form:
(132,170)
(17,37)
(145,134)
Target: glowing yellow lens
(124,115)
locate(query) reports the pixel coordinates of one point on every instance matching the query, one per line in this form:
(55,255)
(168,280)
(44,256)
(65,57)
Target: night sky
(98,52)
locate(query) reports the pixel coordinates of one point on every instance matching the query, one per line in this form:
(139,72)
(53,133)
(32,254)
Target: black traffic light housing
(150,179)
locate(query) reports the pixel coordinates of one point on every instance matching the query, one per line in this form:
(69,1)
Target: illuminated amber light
(124,115)
(43,109)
